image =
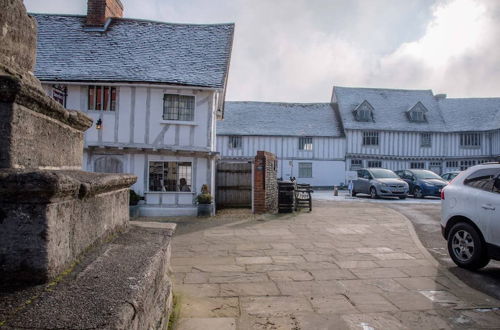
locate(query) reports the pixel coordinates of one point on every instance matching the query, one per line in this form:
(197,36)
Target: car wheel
(402,197)
(373,193)
(466,247)
(417,193)
(353,193)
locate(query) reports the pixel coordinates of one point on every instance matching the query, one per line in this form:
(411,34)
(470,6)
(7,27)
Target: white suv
(470,216)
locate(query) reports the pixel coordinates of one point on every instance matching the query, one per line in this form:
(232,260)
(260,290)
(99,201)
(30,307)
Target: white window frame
(189,180)
(358,166)
(426,140)
(176,112)
(308,167)
(306,143)
(235,142)
(417,165)
(370,138)
(470,140)
(374,164)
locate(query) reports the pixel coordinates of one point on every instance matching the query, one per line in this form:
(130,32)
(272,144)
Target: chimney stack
(98,11)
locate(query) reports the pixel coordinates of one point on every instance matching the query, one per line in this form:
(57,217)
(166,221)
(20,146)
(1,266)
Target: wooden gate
(234,185)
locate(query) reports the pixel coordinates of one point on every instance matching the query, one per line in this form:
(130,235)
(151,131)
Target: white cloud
(297,50)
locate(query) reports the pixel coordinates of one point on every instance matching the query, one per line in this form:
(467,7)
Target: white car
(470,216)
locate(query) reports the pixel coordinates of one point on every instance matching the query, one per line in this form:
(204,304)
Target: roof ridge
(138,20)
(284,103)
(386,89)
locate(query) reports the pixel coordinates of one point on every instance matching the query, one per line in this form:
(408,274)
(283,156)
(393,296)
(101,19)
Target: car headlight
(384,185)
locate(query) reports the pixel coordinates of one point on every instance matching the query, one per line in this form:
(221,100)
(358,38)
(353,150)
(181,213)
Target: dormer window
(363,112)
(417,113)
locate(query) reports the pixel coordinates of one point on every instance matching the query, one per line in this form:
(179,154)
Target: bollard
(335,191)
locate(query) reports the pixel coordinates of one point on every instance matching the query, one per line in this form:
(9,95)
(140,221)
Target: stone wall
(265,183)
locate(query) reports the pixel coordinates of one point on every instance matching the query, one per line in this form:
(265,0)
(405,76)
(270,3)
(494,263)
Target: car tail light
(442,194)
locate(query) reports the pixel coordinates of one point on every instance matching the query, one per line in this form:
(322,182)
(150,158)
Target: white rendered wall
(324,173)
(324,148)
(138,119)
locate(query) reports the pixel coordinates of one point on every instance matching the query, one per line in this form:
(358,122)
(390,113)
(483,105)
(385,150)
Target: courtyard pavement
(343,266)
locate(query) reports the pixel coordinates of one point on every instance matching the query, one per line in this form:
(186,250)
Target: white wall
(324,148)
(138,164)
(408,144)
(138,119)
(324,173)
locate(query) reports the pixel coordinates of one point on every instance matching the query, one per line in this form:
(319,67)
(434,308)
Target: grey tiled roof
(133,51)
(390,108)
(279,119)
(474,114)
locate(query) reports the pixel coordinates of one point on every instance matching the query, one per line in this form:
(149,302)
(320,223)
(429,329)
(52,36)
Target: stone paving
(343,266)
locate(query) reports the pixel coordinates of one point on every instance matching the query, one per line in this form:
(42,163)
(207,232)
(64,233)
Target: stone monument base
(48,218)
(122,284)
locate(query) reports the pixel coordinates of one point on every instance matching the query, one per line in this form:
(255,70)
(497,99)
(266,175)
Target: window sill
(178,122)
(470,147)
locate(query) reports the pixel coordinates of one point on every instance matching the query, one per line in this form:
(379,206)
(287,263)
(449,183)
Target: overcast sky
(297,50)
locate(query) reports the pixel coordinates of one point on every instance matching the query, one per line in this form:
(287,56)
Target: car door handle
(488,207)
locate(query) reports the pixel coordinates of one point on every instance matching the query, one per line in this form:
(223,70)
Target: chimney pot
(98,11)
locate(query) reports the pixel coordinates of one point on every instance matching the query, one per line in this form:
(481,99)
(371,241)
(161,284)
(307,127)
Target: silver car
(379,182)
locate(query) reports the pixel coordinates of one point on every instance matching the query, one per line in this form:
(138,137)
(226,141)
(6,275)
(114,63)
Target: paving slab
(342,266)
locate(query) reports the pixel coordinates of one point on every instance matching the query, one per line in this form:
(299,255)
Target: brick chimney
(98,11)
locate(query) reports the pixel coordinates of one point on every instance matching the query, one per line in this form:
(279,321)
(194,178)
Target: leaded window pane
(306,143)
(178,107)
(170,176)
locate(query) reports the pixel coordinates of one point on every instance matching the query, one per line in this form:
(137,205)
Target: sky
(297,50)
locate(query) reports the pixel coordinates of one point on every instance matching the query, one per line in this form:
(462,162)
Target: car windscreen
(423,174)
(380,173)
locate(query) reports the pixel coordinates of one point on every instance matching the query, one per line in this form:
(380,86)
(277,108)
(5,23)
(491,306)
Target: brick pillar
(265,183)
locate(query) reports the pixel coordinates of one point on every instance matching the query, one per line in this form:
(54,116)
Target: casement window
(465,164)
(178,107)
(370,138)
(417,165)
(59,94)
(374,163)
(306,143)
(426,140)
(363,112)
(470,140)
(170,176)
(101,98)
(235,142)
(417,116)
(364,115)
(305,170)
(356,164)
(452,163)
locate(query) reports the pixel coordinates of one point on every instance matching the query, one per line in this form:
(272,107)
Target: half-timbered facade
(307,139)
(324,144)
(416,129)
(154,90)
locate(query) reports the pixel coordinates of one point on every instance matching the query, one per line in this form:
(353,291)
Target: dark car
(450,175)
(423,182)
(379,182)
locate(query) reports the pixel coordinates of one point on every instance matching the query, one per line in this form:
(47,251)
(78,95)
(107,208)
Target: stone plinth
(36,131)
(123,284)
(47,218)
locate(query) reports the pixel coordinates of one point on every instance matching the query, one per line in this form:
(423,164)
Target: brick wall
(98,11)
(265,197)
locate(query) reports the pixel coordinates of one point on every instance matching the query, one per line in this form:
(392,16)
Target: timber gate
(234,185)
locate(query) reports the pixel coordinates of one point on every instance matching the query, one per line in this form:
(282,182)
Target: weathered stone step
(123,284)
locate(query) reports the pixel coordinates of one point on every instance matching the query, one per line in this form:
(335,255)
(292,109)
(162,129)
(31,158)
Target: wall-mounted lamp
(98,123)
